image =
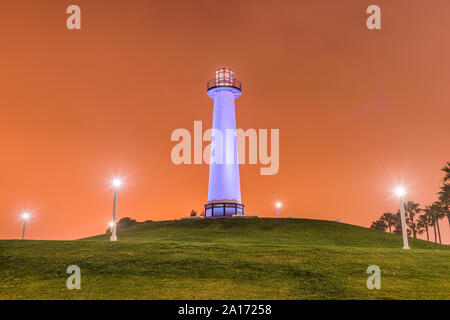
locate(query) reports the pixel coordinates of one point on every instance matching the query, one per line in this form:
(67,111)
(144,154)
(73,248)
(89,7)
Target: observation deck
(224,81)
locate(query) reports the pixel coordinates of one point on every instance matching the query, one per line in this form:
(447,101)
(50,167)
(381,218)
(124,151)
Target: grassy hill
(228,259)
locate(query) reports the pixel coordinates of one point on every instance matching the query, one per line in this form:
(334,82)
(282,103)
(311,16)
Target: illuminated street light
(111,224)
(25,217)
(400,193)
(116,184)
(278,206)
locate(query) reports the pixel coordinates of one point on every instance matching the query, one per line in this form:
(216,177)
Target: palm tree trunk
(428,237)
(435,239)
(391,231)
(439,232)
(414,227)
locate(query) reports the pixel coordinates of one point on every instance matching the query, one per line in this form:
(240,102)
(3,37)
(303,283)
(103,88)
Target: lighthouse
(224,192)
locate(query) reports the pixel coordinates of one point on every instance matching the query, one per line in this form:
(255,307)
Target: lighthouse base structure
(223,209)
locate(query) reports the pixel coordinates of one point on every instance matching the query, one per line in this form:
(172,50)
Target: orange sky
(358,110)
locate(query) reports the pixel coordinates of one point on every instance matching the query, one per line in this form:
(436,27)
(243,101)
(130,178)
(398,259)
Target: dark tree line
(420,220)
(125,223)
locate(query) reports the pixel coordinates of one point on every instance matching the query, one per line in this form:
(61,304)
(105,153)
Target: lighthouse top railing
(215,83)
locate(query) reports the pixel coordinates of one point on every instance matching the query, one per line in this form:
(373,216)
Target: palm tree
(389,218)
(436,214)
(411,209)
(398,225)
(444,200)
(429,212)
(444,195)
(423,222)
(378,225)
(446,170)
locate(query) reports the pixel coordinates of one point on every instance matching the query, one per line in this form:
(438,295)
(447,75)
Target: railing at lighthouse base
(223,209)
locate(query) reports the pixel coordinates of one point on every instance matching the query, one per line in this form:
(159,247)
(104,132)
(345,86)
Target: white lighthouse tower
(224,193)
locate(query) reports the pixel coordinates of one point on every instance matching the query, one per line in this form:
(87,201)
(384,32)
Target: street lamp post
(25,217)
(278,206)
(116,184)
(400,192)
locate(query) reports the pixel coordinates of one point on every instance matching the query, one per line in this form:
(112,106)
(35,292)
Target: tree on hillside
(193,213)
(429,212)
(440,214)
(446,170)
(389,218)
(398,225)
(378,225)
(411,210)
(436,213)
(423,222)
(124,223)
(444,200)
(444,194)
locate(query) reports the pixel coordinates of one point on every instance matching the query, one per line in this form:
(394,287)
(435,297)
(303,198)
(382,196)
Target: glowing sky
(358,111)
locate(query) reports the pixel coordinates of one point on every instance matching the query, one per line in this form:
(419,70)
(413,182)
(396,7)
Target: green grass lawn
(228,259)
